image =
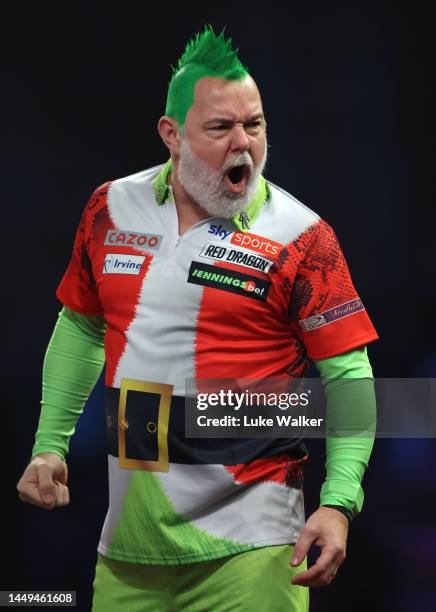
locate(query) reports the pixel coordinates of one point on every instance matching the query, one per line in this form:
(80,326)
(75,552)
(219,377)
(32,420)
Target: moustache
(242,159)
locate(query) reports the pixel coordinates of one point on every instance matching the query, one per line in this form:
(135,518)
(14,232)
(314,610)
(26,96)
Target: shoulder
(116,193)
(288,219)
(138,180)
(288,204)
(119,185)
(298,227)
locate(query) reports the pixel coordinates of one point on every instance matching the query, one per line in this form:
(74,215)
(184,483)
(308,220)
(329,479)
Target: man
(203,524)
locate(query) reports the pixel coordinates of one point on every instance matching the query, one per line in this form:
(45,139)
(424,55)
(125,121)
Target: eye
(252,125)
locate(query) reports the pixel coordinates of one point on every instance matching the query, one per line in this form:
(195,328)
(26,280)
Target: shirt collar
(243,220)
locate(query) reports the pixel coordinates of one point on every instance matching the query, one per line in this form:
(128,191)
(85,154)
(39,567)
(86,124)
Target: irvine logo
(122,264)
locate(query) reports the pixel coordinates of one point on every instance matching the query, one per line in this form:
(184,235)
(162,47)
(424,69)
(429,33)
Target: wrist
(47,456)
(347,513)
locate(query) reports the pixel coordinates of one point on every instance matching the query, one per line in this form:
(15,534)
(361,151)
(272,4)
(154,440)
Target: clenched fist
(44,482)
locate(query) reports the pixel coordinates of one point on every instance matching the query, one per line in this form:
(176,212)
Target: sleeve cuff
(37,450)
(342,510)
(344,494)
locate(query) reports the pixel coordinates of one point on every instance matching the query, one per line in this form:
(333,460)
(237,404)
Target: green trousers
(254,581)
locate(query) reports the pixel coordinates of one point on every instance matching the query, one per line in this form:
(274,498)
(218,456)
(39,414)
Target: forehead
(236,100)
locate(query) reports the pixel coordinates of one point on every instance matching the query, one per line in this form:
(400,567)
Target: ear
(169,132)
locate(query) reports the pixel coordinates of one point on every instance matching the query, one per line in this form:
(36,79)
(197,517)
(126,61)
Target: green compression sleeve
(351,406)
(72,365)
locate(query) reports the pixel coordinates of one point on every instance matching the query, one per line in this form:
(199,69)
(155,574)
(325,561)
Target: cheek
(257,150)
(212,153)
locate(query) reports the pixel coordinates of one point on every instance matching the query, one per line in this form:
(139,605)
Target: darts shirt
(255,297)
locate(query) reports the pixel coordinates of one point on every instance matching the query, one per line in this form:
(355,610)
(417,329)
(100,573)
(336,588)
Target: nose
(239,139)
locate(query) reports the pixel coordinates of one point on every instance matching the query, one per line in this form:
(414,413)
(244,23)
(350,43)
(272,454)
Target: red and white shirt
(217,302)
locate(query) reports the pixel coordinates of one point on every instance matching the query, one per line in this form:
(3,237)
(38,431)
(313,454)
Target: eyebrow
(227,121)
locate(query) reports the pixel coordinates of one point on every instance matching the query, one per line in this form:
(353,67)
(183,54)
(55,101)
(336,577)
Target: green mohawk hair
(205,55)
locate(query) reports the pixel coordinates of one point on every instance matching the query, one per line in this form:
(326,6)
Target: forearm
(72,365)
(351,407)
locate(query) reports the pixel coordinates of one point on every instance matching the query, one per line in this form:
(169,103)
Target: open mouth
(236,178)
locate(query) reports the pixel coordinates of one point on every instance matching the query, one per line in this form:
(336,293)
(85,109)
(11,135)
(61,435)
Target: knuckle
(322,569)
(310,530)
(338,551)
(42,468)
(24,490)
(324,580)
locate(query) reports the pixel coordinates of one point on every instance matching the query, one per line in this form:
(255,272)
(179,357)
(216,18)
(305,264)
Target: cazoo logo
(149,242)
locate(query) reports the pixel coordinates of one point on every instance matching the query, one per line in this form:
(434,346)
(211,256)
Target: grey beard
(205,185)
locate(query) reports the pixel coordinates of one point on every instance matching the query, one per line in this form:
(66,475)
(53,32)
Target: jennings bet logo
(228,280)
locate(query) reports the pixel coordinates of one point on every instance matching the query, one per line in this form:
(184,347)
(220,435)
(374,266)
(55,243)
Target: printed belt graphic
(146,429)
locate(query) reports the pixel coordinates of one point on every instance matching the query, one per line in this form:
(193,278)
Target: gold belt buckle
(165,392)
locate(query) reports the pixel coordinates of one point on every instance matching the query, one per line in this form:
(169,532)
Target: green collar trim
(244,219)
(163,193)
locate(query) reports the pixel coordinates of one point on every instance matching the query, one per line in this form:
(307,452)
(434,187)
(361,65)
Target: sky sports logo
(228,280)
(218,230)
(260,244)
(122,264)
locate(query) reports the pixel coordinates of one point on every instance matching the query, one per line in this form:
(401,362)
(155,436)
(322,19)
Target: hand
(328,529)
(44,481)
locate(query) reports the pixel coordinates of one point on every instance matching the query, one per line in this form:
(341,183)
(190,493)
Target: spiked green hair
(205,55)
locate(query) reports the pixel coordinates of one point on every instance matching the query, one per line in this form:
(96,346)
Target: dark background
(348,92)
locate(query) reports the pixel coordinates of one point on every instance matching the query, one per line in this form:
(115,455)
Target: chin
(228,210)
(233,197)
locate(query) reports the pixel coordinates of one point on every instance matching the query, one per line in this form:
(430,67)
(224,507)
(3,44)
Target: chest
(142,263)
